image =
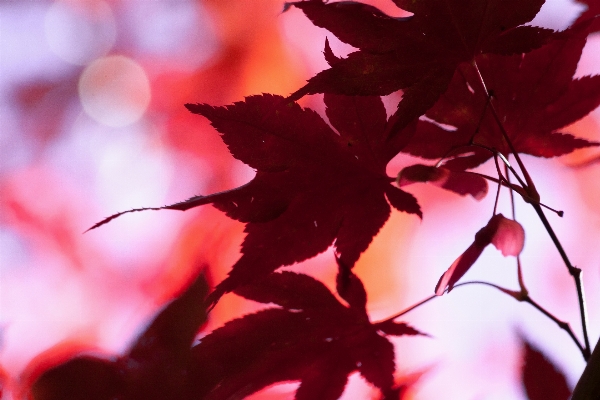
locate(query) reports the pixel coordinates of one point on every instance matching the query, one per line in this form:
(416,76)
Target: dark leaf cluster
(309,337)
(476,84)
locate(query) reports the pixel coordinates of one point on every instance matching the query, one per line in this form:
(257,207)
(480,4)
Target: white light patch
(114,91)
(179,34)
(133,171)
(79,32)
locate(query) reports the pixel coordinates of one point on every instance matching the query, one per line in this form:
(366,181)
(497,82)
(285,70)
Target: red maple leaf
(593,9)
(155,367)
(541,379)
(312,338)
(313,186)
(460,182)
(80,378)
(419,53)
(534,96)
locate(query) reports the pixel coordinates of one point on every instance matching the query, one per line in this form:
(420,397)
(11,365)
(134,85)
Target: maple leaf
(541,379)
(313,187)
(593,10)
(397,393)
(155,367)
(349,287)
(534,96)
(505,234)
(312,338)
(156,364)
(420,53)
(81,378)
(459,182)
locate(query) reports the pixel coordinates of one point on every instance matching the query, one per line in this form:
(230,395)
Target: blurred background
(92,122)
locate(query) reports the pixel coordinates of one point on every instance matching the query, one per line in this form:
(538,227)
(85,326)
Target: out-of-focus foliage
(94,122)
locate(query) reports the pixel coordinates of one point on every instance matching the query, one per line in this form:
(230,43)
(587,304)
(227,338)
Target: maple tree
(476,85)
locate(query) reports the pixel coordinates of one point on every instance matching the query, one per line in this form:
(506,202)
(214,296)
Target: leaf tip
(509,236)
(286,7)
(330,57)
(541,379)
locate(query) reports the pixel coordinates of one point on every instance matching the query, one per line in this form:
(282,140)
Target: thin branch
(500,175)
(519,296)
(562,325)
(496,200)
(490,178)
(497,154)
(505,181)
(530,185)
(514,217)
(512,196)
(524,296)
(487,103)
(575,273)
(520,276)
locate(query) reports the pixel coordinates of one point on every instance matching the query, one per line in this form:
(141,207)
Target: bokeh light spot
(79,32)
(114,91)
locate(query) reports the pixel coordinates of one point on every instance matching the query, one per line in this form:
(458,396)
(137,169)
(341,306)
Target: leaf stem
(409,309)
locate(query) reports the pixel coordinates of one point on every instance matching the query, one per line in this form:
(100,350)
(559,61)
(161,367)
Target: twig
(561,324)
(517,295)
(575,273)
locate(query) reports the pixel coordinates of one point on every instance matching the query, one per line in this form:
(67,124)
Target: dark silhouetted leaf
(155,368)
(318,343)
(176,325)
(81,378)
(313,186)
(157,362)
(534,95)
(349,287)
(459,182)
(541,379)
(397,328)
(289,290)
(593,9)
(418,54)
(328,53)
